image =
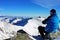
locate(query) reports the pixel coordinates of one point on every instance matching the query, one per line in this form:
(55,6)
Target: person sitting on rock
(52,24)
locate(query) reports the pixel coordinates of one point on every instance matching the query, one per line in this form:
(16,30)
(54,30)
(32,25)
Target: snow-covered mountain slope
(8,30)
(12,25)
(17,21)
(32,27)
(3,36)
(22,22)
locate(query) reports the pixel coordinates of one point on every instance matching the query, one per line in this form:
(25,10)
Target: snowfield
(32,27)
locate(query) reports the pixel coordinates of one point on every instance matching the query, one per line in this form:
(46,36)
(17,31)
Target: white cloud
(47,3)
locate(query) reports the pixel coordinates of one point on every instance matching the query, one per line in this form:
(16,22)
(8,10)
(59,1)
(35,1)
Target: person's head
(52,11)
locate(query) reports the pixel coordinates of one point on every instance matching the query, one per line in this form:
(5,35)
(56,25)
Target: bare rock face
(22,36)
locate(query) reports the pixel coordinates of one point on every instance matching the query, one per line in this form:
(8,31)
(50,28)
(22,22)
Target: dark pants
(42,31)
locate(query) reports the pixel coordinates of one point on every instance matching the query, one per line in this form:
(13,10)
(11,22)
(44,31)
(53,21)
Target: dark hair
(53,10)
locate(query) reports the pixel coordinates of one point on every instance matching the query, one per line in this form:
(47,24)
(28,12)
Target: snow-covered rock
(3,36)
(15,21)
(8,30)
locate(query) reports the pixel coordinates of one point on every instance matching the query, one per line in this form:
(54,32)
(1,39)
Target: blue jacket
(52,23)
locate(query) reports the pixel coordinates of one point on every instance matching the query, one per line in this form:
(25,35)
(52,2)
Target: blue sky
(28,7)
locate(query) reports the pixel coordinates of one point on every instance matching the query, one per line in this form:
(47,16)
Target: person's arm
(45,21)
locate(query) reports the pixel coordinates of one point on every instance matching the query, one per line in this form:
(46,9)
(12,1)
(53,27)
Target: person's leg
(47,36)
(41,30)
